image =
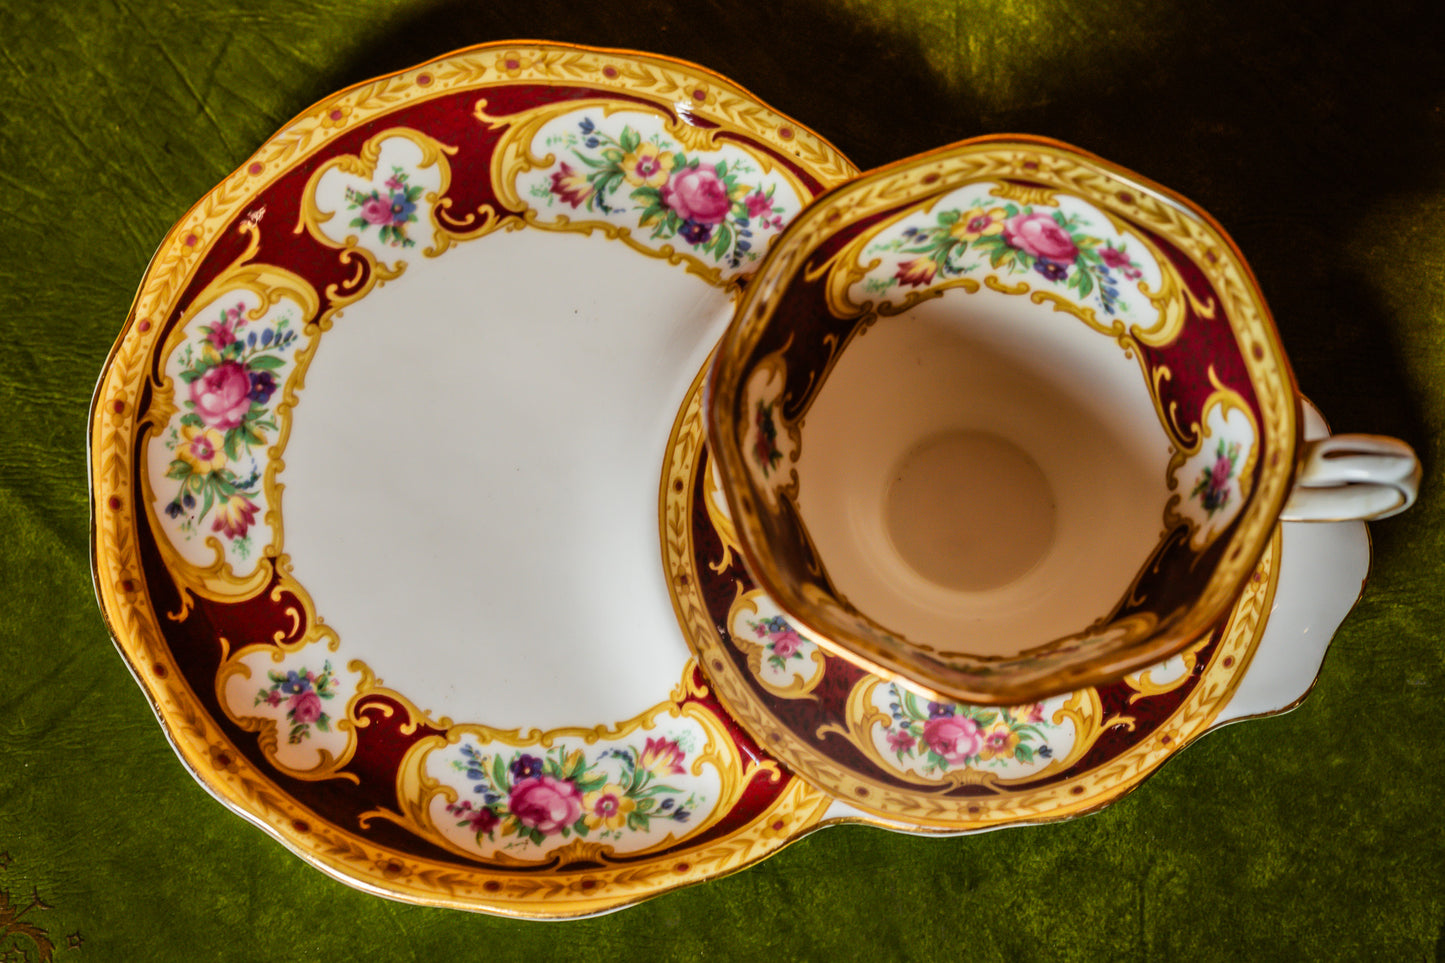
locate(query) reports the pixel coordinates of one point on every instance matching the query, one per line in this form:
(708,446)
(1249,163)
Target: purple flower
(526,767)
(1051,269)
(263,384)
(940,710)
(694,233)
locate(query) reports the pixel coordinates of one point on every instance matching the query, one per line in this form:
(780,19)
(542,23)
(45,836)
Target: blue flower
(587,125)
(294,683)
(1045,752)
(401,208)
(174,510)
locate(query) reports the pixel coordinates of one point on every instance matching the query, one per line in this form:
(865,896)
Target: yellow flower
(608,807)
(202,448)
(999,741)
(648,166)
(977,222)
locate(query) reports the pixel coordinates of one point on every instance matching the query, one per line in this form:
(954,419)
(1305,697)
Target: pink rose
(222,396)
(1041,236)
(305,706)
(955,738)
(1223,468)
(697,194)
(786,643)
(545,803)
(376,211)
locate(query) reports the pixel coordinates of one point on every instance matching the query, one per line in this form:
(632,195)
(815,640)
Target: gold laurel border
(923,811)
(120,581)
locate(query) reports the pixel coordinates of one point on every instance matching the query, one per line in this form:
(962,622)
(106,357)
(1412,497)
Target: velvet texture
(1315,133)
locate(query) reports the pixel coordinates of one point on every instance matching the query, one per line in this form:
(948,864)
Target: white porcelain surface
(504,550)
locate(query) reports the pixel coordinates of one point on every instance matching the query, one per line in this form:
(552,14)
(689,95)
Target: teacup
(1004,420)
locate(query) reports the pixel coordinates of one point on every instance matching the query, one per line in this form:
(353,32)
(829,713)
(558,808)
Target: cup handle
(1348,477)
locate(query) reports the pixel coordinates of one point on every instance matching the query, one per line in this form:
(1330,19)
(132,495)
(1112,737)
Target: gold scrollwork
(1144,684)
(1082,710)
(417,789)
(801,680)
(1227,400)
(515,155)
(446,227)
(234,666)
(270,285)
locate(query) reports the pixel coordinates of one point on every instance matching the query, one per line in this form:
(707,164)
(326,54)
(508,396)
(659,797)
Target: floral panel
(937,740)
(378,202)
(300,698)
(1068,247)
(769,445)
(524,802)
(208,465)
(1213,481)
(717,204)
(784,661)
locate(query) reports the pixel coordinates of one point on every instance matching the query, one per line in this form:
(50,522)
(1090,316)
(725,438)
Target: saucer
(896,758)
(435,322)
(374,464)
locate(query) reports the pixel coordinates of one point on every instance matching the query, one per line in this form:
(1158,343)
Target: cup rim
(1024,677)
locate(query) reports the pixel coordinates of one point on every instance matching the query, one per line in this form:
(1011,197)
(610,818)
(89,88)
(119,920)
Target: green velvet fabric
(1314,132)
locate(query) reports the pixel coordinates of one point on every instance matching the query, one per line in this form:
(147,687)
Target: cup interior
(978,477)
(1003,420)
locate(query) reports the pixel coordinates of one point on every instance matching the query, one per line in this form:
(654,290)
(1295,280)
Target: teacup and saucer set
(547,477)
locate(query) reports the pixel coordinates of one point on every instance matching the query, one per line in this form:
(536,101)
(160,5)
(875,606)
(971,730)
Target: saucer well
(373,465)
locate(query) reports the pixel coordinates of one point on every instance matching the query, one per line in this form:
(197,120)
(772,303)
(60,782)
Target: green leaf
(629,139)
(499,773)
(1024,752)
(323,723)
(949,218)
(234,443)
(591,783)
(580,826)
(613,155)
(266,362)
(192,419)
(179,469)
(536,836)
(636,820)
